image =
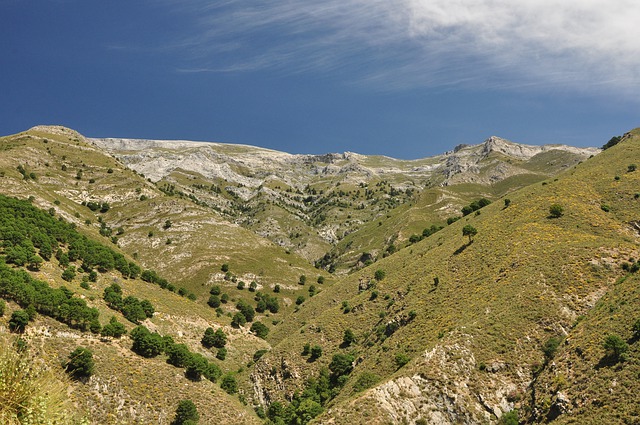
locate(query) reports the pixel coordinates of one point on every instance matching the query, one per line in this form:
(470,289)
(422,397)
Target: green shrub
(238,320)
(229,384)
(19,320)
(469,231)
(80,364)
(365,380)
(510,418)
(260,330)
(550,347)
(615,347)
(186,412)
(113,329)
(348,338)
(401,359)
(316,352)
(556,211)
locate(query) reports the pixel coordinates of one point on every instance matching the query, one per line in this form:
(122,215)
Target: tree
(348,338)
(483,202)
(470,231)
(147,307)
(316,352)
(185,413)
(145,343)
(224,268)
(379,275)
(80,363)
(229,384)
(214,301)
(341,364)
(221,354)
(238,320)
(302,280)
(178,355)
(208,338)
(616,348)
(246,309)
(507,202)
(69,273)
(113,329)
(612,142)
(556,210)
(220,339)
(113,296)
(631,168)
(196,367)
(260,330)
(19,320)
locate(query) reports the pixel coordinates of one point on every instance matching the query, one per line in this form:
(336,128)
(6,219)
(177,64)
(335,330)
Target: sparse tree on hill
(186,413)
(80,363)
(469,231)
(19,320)
(556,211)
(616,348)
(238,320)
(348,338)
(260,330)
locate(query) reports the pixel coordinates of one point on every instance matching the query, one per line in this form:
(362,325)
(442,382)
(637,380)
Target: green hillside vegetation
(476,311)
(465,297)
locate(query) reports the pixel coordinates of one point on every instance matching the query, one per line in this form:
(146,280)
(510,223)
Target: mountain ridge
(443,325)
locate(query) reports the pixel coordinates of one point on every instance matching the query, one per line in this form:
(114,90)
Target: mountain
(323,204)
(431,315)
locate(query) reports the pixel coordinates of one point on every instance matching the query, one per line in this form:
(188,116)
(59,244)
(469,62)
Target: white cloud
(587,44)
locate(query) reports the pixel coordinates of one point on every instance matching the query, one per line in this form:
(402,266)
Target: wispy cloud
(588,44)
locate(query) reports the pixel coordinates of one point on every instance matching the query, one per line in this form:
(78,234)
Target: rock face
(444,389)
(252,166)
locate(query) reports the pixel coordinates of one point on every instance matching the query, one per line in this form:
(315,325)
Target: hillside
(182,242)
(327,207)
(431,315)
(454,332)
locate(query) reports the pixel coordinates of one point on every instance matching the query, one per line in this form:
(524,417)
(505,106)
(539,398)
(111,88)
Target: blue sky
(404,78)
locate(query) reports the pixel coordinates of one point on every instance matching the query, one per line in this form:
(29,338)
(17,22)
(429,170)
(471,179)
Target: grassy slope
(592,390)
(526,277)
(201,242)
